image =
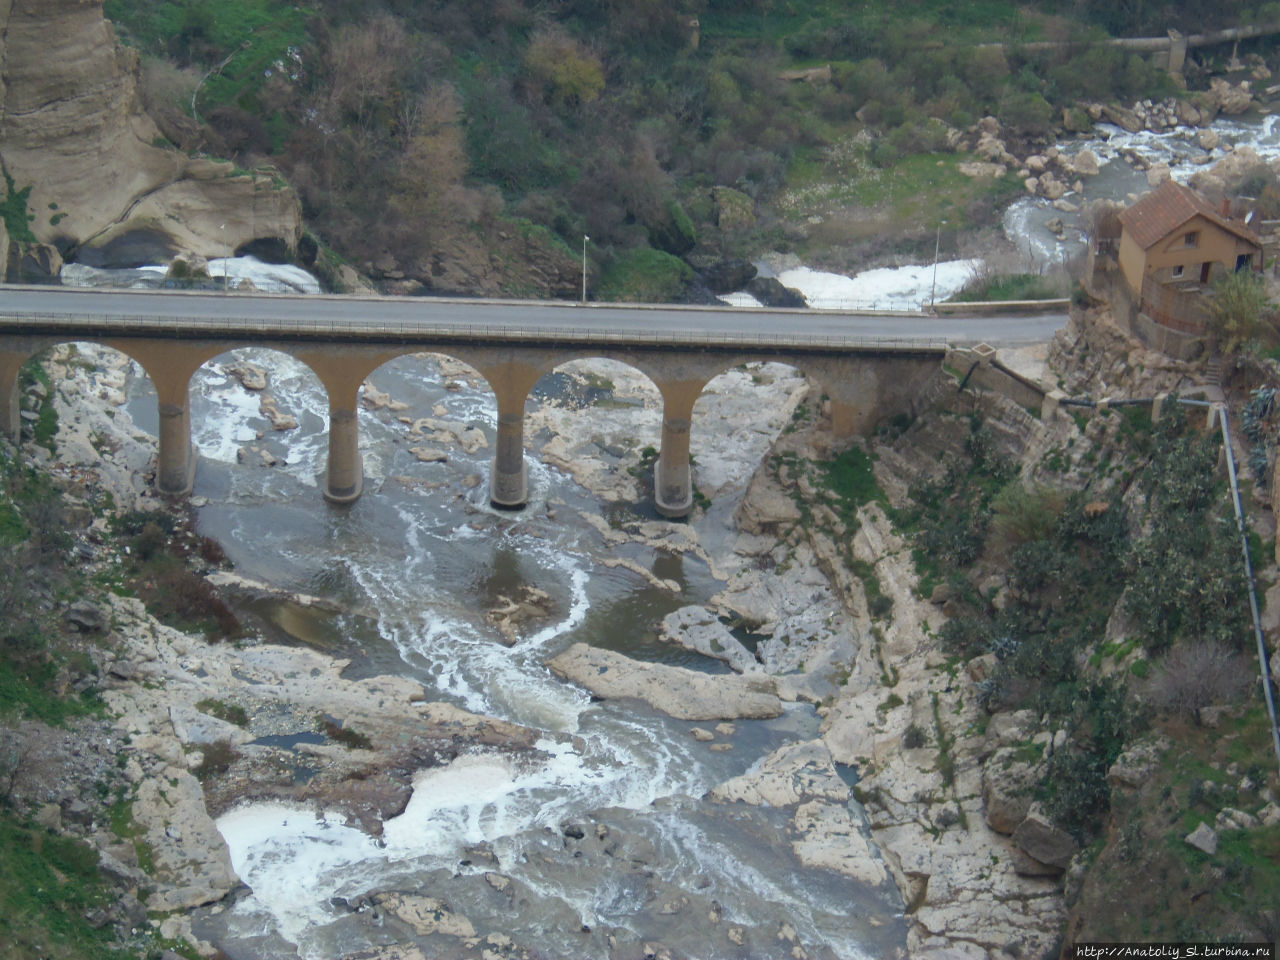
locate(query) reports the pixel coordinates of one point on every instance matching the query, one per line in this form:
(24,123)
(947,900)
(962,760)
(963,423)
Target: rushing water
(421,556)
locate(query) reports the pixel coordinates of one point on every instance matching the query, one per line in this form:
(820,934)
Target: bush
(1198,674)
(645,275)
(1021,513)
(216,760)
(915,737)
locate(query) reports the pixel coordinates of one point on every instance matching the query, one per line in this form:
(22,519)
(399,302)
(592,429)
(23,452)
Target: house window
(1191,239)
(1177,272)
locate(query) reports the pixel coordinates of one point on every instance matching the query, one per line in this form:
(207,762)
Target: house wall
(1214,245)
(1133,262)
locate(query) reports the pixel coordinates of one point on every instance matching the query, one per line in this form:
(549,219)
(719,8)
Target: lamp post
(223,237)
(585,238)
(937,243)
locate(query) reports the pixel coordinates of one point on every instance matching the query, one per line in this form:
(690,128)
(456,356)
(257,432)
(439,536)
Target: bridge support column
(344,472)
(175,455)
(10,402)
(672,476)
(509,477)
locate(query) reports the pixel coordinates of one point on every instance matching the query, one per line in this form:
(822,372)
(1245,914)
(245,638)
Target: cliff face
(103,189)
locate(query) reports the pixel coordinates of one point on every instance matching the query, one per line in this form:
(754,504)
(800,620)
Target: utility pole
(585,238)
(937,243)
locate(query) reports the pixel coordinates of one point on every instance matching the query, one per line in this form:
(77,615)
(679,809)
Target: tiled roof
(1165,209)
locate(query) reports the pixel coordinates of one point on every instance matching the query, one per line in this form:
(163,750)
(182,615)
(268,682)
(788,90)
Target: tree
(1237,308)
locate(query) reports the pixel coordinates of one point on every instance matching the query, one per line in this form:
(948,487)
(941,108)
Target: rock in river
(679,692)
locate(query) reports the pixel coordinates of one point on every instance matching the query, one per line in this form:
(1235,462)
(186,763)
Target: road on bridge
(64,303)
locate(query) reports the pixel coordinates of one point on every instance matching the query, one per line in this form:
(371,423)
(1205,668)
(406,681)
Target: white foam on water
(266,277)
(885,288)
(293,860)
(223,422)
(739,298)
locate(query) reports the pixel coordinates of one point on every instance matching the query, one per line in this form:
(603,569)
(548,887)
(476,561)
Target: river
(423,550)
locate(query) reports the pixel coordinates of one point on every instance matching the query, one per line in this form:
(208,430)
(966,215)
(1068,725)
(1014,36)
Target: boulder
(678,692)
(1039,838)
(1231,100)
(1187,113)
(1204,839)
(830,838)
(982,169)
(727,276)
(1084,164)
(1134,767)
(250,375)
(269,407)
(426,916)
(698,629)
(1008,785)
(735,210)
(40,263)
(793,774)
(1208,139)
(770,292)
(1158,174)
(87,617)
(1121,117)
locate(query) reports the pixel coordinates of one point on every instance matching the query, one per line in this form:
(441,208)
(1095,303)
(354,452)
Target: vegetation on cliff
(59,775)
(411,130)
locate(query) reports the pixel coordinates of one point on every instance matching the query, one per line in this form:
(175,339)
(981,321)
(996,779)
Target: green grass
(230,712)
(645,275)
(851,477)
(1019,286)
(45,427)
(30,692)
(956,22)
(47,883)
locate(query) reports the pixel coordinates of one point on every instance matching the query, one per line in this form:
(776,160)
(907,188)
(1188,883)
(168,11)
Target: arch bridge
(171,336)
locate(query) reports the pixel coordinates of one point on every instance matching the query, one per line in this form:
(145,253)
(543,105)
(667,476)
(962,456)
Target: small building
(1173,243)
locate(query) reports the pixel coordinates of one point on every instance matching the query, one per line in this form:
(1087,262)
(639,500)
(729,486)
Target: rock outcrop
(103,191)
(676,691)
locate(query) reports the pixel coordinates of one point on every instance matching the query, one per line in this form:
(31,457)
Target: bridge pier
(11,362)
(509,476)
(344,471)
(170,366)
(672,476)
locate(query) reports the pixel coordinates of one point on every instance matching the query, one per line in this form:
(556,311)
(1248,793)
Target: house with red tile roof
(1173,243)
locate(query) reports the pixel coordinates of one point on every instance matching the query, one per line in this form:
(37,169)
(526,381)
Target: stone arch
(756,399)
(438,413)
(268,392)
(15,353)
(603,412)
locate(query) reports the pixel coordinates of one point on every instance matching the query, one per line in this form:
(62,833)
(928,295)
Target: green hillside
(412,129)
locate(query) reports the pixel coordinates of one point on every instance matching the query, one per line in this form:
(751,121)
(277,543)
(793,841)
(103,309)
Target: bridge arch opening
(260,407)
(98,438)
(598,420)
(426,418)
(738,416)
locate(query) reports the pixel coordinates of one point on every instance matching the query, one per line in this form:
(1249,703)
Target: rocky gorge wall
(106,188)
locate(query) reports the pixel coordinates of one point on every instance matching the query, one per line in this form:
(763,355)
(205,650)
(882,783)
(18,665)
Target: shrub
(915,737)
(216,760)
(1198,674)
(1022,513)
(645,275)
